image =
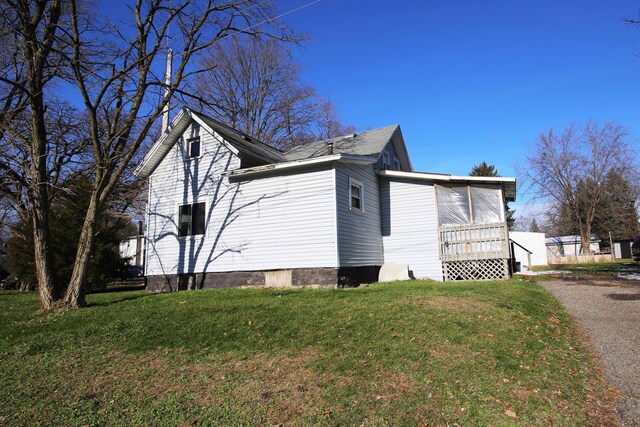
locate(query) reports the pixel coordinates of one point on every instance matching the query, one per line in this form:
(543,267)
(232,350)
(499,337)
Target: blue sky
(472,81)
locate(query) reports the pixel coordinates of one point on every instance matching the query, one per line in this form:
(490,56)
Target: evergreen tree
(483,169)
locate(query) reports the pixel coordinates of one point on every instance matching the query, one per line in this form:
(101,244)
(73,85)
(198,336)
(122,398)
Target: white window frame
(355,183)
(189,142)
(178,223)
(193,133)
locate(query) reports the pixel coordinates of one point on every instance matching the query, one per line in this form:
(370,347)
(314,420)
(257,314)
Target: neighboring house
(562,246)
(132,250)
(529,248)
(227,210)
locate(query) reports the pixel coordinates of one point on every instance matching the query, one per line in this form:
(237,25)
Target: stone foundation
(298,277)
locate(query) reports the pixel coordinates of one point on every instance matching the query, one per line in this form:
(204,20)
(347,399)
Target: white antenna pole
(167,81)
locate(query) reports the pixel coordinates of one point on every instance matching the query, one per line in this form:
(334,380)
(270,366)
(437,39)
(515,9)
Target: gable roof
(367,144)
(243,145)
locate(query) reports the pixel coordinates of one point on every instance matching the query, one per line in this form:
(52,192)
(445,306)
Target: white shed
(528,243)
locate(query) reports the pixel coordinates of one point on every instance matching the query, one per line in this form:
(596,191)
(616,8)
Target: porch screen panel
(453,205)
(487,204)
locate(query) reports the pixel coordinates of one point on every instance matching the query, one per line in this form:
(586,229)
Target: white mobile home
(227,210)
(561,246)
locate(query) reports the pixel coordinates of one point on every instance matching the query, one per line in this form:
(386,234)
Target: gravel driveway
(609,310)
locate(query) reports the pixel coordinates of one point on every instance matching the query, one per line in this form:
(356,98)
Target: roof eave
(257,170)
(149,162)
(508,184)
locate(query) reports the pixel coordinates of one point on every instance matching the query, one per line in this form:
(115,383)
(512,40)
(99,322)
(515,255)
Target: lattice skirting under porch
(483,269)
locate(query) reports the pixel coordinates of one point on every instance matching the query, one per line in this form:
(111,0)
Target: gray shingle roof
(369,143)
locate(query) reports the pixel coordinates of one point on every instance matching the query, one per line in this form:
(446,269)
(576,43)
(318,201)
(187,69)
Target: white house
(227,210)
(132,250)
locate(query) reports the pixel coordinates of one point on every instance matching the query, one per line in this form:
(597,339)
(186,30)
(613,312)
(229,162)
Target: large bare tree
(117,70)
(570,169)
(254,85)
(29,33)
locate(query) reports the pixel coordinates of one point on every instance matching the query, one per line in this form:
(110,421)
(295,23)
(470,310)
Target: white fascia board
(444,177)
(414,175)
(505,180)
(508,183)
(402,145)
(156,154)
(343,158)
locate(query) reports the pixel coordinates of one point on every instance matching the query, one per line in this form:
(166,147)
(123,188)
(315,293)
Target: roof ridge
(337,138)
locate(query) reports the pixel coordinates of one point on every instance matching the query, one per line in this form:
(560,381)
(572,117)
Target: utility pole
(167,82)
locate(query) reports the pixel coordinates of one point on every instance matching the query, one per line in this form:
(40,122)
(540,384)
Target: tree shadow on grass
(121,298)
(123,288)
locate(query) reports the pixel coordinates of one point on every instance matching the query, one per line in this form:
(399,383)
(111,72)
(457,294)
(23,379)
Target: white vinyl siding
(359,238)
(275,222)
(410,226)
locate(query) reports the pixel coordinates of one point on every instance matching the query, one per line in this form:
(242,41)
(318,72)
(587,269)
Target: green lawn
(409,353)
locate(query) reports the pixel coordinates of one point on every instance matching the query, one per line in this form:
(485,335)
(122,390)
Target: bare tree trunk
(75,296)
(25,286)
(586,240)
(40,195)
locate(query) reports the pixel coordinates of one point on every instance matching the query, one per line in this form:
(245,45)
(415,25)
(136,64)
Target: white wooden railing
(474,242)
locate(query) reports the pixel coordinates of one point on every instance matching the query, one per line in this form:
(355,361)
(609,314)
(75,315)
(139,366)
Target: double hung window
(356,196)
(191,219)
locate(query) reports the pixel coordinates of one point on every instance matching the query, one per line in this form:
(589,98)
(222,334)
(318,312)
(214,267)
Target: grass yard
(408,353)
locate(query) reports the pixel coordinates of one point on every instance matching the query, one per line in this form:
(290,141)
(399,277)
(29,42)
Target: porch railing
(474,242)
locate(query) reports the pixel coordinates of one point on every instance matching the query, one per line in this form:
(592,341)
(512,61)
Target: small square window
(356,201)
(396,164)
(194,147)
(191,220)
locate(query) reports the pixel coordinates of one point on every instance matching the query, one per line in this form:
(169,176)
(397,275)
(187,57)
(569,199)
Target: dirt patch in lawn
(284,384)
(452,303)
(282,387)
